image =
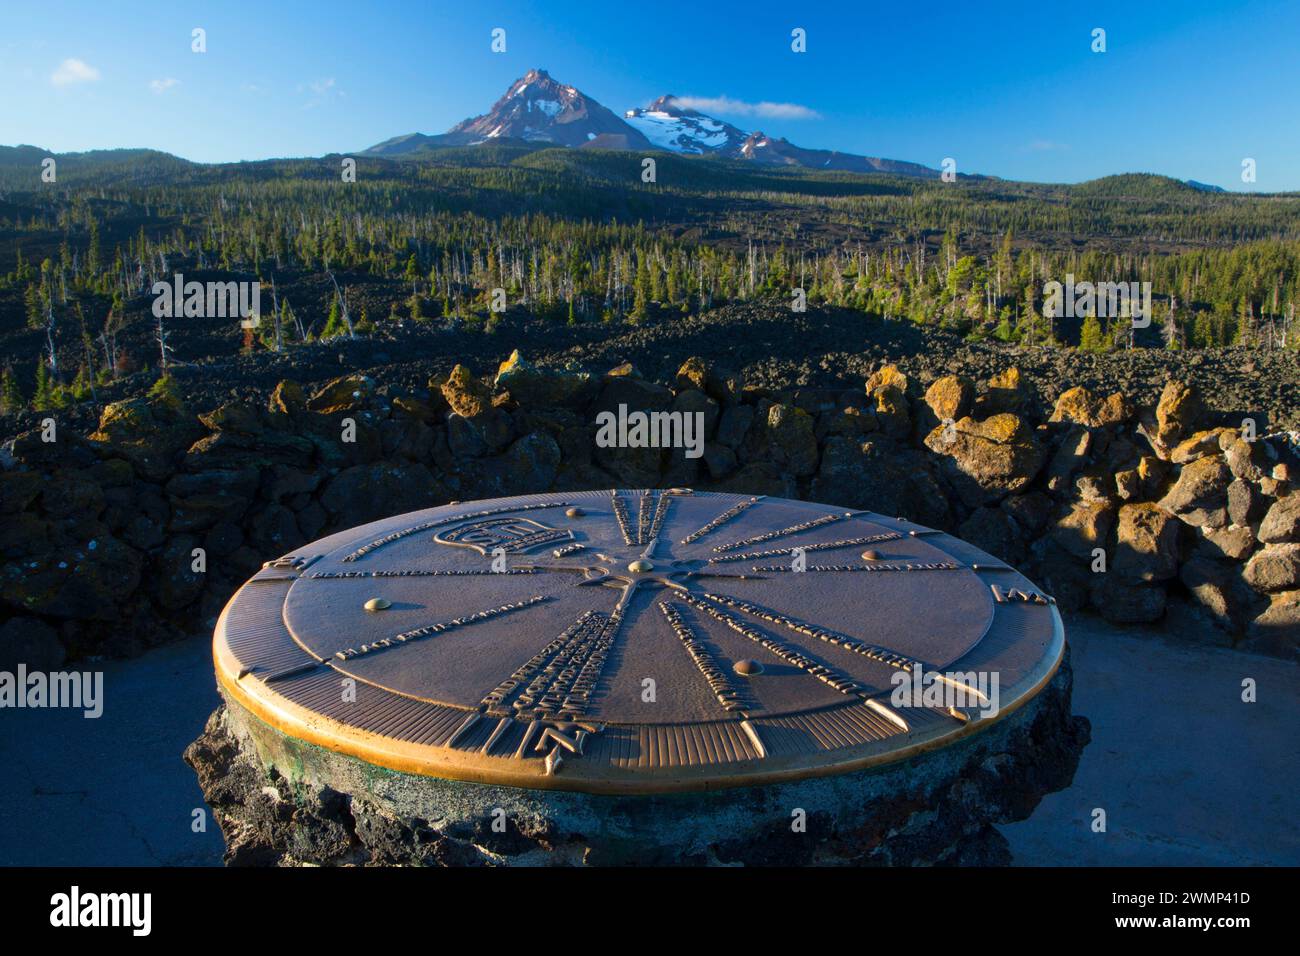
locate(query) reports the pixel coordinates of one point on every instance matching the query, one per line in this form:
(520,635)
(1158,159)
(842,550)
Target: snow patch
(680,134)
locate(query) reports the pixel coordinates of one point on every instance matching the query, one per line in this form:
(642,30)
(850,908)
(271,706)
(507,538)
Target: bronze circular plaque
(635,641)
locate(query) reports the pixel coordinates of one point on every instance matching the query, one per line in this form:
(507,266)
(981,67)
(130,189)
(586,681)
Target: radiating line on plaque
(874,568)
(818,546)
(661,512)
(727,694)
(831,676)
(620,512)
(643,516)
(802,526)
(430,630)
(721,519)
(413,573)
(874,652)
(540,689)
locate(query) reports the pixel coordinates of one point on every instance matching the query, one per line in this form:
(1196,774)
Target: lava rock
(1147,544)
(345,394)
(531,385)
(1080,406)
(466,395)
(1179,409)
(1282,522)
(1200,496)
(985,461)
(1274,568)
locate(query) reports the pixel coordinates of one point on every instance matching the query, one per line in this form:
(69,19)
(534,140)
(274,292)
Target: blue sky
(1188,89)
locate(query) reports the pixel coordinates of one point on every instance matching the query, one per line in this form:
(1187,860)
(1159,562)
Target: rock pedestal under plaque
(635,677)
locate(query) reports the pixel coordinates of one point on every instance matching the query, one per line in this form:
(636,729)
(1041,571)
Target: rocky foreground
(765,345)
(117,540)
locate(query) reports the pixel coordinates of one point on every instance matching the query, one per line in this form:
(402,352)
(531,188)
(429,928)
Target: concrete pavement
(1187,773)
(114,790)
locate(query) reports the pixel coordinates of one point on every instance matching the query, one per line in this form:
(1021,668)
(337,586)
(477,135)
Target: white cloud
(321,91)
(73,71)
(162,86)
(725,104)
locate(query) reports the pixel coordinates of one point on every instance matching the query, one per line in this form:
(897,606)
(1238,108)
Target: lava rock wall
(140,531)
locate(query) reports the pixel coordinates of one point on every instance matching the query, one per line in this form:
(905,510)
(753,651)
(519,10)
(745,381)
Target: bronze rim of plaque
(636,641)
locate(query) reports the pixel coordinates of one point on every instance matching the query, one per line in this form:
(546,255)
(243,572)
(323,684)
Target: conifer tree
(412,273)
(1091,336)
(334,323)
(11,397)
(43,399)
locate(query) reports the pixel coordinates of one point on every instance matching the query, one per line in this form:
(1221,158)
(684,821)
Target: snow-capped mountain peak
(668,125)
(754,141)
(538,109)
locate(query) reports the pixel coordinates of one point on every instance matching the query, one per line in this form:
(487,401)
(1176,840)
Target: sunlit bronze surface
(631,641)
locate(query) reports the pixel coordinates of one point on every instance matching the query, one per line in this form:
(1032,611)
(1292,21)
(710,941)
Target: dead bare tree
(302,330)
(88,348)
(49,340)
(1171,330)
(275,310)
(343,306)
(161,335)
(108,339)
